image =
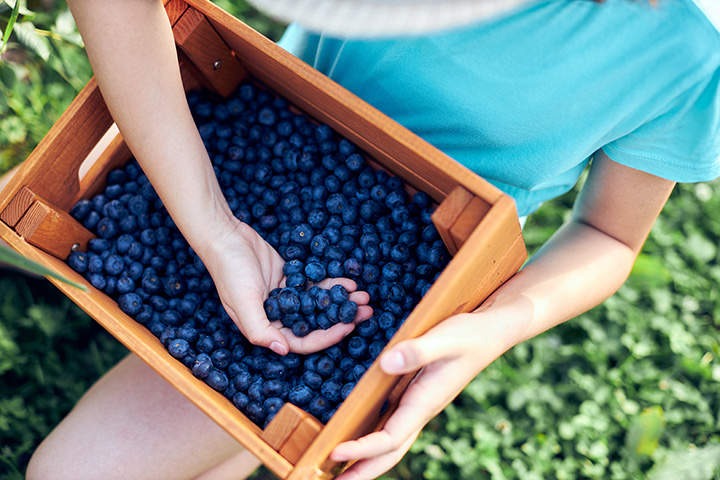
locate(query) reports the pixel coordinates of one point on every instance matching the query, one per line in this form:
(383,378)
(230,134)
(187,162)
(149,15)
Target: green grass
(628,390)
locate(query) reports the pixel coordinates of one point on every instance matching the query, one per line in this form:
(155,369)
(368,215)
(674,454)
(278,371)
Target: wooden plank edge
(239,427)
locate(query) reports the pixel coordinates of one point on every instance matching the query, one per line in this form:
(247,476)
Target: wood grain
(491,253)
(208,52)
(51,169)
(115,155)
(304,434)
(175,9)
(52,230)
(17,207)
(447,213)
(283,425)
(467,221)
(143,343)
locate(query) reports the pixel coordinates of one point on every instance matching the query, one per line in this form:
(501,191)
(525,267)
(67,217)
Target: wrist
(507,320)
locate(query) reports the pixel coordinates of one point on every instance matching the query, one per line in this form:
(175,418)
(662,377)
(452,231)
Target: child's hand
(450,355)
(245,269)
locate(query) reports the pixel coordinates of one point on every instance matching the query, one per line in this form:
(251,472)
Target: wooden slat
(467,221)
(474,266)
(52,230)
(304,434)
(115,155)
(17,207)
(398,149)
(175,9)
(447,213)
(283,425)
(208,52)
(51,171)
(141,342)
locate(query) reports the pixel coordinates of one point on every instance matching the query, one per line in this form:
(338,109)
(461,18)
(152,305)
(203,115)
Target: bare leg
(132,424)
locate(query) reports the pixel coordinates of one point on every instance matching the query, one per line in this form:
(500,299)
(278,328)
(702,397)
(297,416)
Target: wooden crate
(477,222)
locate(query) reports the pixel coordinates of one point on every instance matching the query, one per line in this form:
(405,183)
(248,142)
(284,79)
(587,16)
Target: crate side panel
(141,342)
(398,149)
(453,292)
(51,170)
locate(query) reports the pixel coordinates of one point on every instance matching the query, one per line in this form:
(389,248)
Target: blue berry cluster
(310,195)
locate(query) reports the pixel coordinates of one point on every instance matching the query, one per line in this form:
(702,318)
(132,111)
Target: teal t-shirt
(526,99)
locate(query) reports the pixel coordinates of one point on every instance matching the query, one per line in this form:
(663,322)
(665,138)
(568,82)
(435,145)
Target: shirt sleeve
(682,143)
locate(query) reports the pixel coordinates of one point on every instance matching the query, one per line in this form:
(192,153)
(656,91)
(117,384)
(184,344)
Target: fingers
(373,468)
(255,326)
(364,312)
(420,403)
(349,285)
(318,339)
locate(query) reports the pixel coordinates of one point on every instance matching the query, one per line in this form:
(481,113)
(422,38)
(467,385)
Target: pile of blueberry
(309,194)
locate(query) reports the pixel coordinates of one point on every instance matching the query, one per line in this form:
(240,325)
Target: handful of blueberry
(312,197)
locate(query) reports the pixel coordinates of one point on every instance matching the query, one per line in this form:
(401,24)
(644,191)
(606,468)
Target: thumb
(411,355)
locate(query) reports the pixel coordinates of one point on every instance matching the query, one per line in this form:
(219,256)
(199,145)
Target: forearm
(577,269)
(131,49)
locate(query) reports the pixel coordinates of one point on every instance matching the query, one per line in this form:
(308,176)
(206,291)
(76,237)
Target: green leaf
(9,27)
(28,36)
(695,464)
(67,30)
(17,260)
(644,434)
(13,129)
(650,270)
(700,247)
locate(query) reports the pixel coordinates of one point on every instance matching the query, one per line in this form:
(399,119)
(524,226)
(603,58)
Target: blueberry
(272,309)
(323,321)
(242,380)
(272,405)
(98,281)
(318,406)
(330,389)
(300,328)
(81,209)
(221,358)
(107,228)
(297,281)
(288,301)
(307,303)
(255,412)
(240,400)
(78,261)
(323,300)
(352,267)
(325,366)
(217,380)
(130,303)
(178,348)
(202,365)
(300,395)
(315,271)
(91,221)
(347,312)
(338,294)
(113,265)
(357,347)
(293,266)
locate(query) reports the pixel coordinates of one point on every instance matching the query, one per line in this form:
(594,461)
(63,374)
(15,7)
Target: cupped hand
(450,356)
(245,268)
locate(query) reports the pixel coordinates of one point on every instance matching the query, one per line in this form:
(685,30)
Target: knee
(41,466)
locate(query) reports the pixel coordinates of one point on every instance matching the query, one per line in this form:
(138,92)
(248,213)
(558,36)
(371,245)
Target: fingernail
(393,362)
(279,348)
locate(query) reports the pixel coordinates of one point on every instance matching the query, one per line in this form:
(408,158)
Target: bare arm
(132,52)
(585,262)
